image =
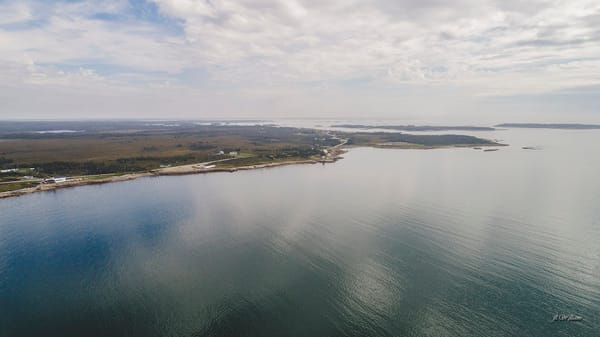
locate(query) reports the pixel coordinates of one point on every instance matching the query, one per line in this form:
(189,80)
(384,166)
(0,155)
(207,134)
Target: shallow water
(452,242)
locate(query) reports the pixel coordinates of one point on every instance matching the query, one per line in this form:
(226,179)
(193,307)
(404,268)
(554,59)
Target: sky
(479,60)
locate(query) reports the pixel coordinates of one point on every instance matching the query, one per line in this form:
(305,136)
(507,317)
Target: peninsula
(567,126)
(38,156)
(413,128)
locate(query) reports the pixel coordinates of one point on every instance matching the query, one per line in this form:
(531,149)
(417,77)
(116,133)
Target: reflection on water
(451,242)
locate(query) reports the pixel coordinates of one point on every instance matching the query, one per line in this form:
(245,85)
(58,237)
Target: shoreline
(334,155)
(171,171)
(410,146)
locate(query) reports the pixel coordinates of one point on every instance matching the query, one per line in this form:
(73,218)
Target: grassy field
(16,186)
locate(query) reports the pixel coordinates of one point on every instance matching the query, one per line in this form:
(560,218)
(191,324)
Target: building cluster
(53,180)
(231,153)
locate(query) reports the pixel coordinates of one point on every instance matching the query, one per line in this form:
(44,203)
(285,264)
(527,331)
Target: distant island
(566,126)
(412,141)
(415,127)
(45,155)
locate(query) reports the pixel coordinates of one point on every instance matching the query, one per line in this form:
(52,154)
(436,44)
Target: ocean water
(448,242)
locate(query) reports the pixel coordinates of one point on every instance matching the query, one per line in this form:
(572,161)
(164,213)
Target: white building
(56,180)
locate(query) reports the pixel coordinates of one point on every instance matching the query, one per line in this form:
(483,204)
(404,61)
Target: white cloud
(412,41)
(14,12)
(296,48)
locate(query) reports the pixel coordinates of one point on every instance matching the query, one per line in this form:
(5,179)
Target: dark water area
(449,242)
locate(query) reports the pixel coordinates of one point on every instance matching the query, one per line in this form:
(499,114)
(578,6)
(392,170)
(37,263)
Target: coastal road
(198,167)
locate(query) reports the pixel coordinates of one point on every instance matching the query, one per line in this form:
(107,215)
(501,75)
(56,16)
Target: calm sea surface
(452,242)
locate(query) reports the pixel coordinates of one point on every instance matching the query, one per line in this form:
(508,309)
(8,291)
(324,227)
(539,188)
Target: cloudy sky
(501,60)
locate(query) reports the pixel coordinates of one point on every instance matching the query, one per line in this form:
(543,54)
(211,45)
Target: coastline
(410,146)
(334,156)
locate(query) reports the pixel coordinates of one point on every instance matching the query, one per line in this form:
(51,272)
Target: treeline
(84,168)
(199,146)
(171,159)
(326,142)
(425,140)
(5,161)
(121,165)
(287,152)
(303,152)
(416,127)
(231,149)
(436,140)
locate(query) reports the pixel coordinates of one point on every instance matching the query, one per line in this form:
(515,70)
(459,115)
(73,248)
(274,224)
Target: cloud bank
(330,58)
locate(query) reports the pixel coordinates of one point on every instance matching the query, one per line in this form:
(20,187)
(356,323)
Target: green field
(16,186)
